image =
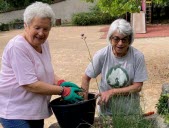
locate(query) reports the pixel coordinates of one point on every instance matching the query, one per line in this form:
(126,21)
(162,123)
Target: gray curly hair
(122,27)
(38,9)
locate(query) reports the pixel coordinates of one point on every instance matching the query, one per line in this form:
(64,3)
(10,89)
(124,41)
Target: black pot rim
(74,104)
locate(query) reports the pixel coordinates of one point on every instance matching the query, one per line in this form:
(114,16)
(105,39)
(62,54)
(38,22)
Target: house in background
(64,9)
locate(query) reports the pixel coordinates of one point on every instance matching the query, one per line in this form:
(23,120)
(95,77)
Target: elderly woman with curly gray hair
(122,69)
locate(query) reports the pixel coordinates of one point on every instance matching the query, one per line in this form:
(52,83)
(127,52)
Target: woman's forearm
(85,82)
(85,85)
(135,87)
(43,88)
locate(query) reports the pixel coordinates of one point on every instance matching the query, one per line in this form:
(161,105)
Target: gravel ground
(70,58)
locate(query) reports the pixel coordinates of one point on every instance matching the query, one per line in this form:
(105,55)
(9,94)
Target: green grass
(134,121)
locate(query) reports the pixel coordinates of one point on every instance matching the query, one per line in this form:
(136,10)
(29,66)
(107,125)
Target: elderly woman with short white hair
(27,78)
(122,69)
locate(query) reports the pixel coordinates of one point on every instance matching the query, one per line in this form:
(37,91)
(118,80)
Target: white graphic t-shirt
(118,72)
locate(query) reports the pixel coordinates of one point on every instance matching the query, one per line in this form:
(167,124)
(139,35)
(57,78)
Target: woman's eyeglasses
(116,39)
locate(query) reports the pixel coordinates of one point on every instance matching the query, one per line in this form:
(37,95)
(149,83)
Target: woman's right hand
(71,94)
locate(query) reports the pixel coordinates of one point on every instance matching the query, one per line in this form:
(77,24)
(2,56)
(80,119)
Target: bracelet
(61,91)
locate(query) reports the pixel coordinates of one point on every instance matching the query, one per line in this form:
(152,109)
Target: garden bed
(156,121)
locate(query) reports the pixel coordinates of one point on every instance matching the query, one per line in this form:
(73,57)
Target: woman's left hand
(104,97)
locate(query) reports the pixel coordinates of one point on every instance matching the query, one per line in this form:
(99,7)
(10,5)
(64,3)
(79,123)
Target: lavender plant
(90,56)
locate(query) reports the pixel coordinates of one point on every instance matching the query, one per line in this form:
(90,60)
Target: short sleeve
(95,66)
(22,66)
(140,70)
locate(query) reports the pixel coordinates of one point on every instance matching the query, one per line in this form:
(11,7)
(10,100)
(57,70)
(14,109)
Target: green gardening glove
(69,84)
(72,95)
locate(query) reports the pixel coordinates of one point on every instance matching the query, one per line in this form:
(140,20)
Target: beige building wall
(63,10)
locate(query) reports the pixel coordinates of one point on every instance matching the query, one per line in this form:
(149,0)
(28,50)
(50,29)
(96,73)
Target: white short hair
(38,9)
(122,27)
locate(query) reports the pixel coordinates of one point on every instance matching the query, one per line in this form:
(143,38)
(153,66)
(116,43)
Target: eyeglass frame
(124,40)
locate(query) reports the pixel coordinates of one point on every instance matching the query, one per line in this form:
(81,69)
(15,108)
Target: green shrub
(91,18)
(4,6)
(163,108)
(4,27)
(162,105)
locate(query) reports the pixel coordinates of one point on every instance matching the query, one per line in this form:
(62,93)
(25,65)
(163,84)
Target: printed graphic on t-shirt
(117,77)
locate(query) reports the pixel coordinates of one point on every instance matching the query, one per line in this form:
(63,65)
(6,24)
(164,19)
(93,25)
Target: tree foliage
(161,3)
(3,5)
(118,7)
(7,5)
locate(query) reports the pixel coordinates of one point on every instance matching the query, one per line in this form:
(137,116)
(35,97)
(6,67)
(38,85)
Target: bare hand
(104,97)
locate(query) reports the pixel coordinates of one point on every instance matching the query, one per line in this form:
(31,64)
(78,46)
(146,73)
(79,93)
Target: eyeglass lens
(117,39)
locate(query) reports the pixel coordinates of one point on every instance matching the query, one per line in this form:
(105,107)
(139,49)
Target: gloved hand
(63,83)
(70,94)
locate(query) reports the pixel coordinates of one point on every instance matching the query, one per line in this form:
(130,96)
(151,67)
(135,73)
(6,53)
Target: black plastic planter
(77,115)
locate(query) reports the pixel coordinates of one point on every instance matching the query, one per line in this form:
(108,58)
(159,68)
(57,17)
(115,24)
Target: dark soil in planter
(77,115)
